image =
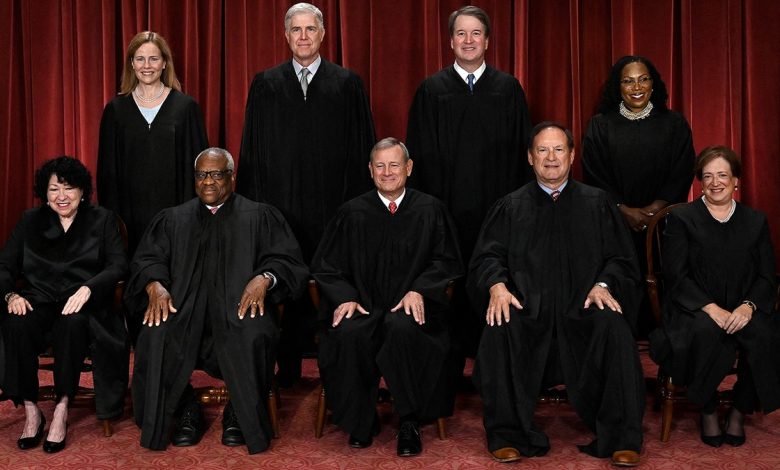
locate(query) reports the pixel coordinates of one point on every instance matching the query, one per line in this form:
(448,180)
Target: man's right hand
(498,307)
(160,304)
(637,219)
(346,310)
(717,314)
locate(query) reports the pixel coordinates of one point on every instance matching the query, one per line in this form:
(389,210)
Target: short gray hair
(220,152)
(389,142)
(299,8)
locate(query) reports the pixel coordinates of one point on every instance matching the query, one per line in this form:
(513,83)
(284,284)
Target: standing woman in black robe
(70,256)
(638,150)
(149,137)
(719,272)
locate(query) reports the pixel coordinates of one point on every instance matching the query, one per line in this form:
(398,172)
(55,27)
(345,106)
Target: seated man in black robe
(383,267)
(205,278)
(556,270)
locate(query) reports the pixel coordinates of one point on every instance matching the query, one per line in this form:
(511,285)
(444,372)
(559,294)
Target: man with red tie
(383,267)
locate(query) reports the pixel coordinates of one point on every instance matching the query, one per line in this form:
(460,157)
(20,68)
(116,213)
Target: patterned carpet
(298,449)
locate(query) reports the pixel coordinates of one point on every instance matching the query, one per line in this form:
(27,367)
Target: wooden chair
(86,396)
(319,424)
(668,393)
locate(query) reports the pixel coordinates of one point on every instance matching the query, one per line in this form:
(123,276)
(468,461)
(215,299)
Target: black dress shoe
(25,443)
(189,429)
(231,431)
(409,442)
(54,447)
(356,443)
(731,439)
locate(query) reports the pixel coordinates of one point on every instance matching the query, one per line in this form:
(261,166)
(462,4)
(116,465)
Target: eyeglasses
(641,81)
(216,175)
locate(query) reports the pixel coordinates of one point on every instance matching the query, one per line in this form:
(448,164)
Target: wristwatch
(751,305)
(602,284)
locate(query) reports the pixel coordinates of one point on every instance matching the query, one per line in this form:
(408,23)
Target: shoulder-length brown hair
(168,76)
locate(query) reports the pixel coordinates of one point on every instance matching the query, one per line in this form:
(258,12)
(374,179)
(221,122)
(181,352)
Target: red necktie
(214,210)
(393,207)
(555,195)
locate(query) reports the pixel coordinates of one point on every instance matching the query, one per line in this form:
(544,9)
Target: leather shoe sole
(233,437)
(356,443)
(625,458)
(506,455)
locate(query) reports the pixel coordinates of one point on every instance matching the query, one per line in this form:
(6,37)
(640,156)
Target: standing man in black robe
(307,135)
(205,278)
(468,127)
(383,267)
(557,272)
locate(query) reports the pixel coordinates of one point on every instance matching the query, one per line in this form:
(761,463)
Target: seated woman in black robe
(719,273)
(639,151)
(69,255)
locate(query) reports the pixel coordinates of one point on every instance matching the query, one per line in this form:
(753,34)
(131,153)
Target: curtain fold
(717,57)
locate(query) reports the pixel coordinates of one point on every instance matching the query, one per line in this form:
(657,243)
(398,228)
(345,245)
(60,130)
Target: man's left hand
(412,304)
(601,297)
(253,297)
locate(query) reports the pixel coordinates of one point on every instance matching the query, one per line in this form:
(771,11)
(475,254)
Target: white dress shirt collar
(464,73)
(313,67)
(386,201)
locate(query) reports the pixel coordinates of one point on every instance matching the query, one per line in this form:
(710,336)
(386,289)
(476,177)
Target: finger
(587,302)
(27,305)
(599,303)
(253,312)
(337,316)
(398,305)
(422,314)
(506,313)
(489,317)
(261,308)
(362,310)
(416,314)
(516,302)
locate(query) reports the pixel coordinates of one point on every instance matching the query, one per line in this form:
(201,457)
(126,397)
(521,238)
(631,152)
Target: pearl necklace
(725,219)
(149,100)
(632,116)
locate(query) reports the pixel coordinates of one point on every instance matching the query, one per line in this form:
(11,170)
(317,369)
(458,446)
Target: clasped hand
(731,322)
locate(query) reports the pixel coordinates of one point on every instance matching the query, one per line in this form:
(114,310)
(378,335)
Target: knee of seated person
(400,323)
(703,325)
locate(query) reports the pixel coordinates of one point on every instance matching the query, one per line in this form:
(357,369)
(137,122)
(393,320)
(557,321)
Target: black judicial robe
(639,161)
(373,257)
(55,264)
(469,149)
(705,262)
(207,259)
(143,169)
(549,255)
(306,156)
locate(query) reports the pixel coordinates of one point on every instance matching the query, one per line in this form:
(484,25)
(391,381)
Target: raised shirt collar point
(313,67)
(386,201)
(464,74)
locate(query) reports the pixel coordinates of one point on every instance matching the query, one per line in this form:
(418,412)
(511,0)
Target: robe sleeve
(151,262)
(195,140)
(596,167)
(281,255)
(763,292)
(248,184)
(361,138)
(108,157)
(490,260)
(330,266)
(11,258)
(675,188)
(421,139)
(678,279)
(444,265)
(115,268)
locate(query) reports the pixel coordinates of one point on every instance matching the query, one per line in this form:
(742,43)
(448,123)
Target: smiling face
(63,198)
(304,37)
(148,63)
(551,157)
(389,170)
(469,42)
(211,191)
(718,182)
(636,86)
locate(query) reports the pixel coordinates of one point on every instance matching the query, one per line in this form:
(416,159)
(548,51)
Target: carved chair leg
(668,409)
(320,423)
(107,431)
(273,412)
(442,428)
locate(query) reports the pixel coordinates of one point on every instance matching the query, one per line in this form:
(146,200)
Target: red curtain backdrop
(718,57)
